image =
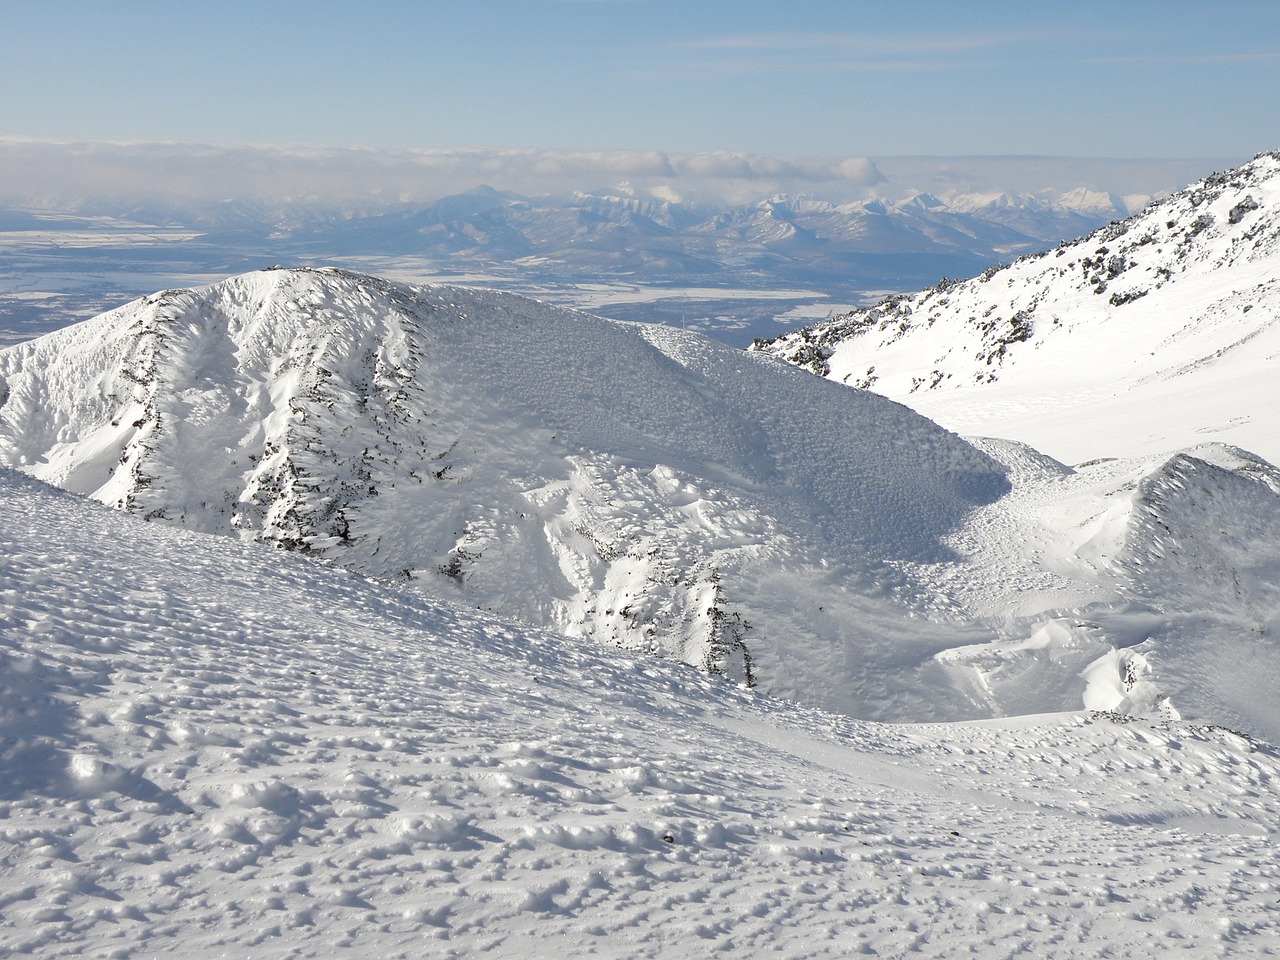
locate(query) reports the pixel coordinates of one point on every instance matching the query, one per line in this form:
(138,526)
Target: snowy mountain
(487,225)
(647,488)
(208,749)
(1151,334)
(655,491)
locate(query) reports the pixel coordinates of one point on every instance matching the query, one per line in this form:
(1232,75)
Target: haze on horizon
(111,177)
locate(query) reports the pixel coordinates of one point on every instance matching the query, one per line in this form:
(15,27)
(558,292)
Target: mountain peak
(623,482)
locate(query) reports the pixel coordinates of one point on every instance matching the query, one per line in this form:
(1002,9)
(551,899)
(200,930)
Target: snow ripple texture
(208,749)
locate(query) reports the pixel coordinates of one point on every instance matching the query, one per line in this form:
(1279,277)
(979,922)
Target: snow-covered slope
(647,488)
(1155,333)
(208,749)
(665,494)
(1144,586)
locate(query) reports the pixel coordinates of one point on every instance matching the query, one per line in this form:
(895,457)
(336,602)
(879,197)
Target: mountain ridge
(650,489)
(1173,308)
(625,482)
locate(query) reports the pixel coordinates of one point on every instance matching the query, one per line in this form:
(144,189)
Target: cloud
(1259,56)
(761,53)
(110,177)
(736,166)
(858,170)
(73,174)
(644,163)
(857,44)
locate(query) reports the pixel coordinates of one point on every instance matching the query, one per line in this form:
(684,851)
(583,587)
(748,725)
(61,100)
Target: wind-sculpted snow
(644,487)
(1205,554)
(1154,333)
(208,749)
(1145,586)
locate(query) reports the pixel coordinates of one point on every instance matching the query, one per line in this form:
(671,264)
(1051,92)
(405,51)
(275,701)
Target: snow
(630,483)
(1145,585)
(657,492)
(1150,335)
(1147,575)
(212,749)
(601,639)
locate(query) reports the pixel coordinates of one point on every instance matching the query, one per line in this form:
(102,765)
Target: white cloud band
(109,175)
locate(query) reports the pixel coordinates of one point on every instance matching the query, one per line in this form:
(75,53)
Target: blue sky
(1123,78)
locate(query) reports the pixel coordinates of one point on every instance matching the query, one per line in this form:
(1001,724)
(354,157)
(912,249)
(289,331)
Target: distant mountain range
(734,272)
(1149,334)
(608,234)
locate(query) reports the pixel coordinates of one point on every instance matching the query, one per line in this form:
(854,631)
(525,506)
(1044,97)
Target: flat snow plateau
(212,750)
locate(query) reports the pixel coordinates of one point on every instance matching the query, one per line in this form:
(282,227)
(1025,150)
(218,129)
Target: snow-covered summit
(1150,334)
(630,483)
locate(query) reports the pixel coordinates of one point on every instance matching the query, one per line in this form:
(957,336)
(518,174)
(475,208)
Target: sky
(836,79)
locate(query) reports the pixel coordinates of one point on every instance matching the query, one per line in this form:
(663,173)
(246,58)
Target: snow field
(214,749)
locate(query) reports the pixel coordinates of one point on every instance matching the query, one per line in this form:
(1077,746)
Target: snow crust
(1152,334)
(211,749)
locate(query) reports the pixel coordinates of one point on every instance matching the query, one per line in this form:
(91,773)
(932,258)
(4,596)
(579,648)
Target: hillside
(646,488)
(211,750)
(1154,333)
(654,491)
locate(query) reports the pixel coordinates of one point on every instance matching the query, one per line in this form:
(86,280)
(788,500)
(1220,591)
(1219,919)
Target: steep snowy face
(1147,335)
(628,483)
